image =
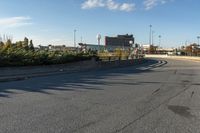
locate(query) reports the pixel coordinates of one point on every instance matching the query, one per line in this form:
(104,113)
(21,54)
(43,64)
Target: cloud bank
(127,7)
(109,4)
(149,4)
(15,21)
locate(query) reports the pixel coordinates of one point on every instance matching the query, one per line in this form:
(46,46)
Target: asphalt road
(162,96)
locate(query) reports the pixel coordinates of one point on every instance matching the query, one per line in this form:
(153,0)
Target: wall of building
(120,41)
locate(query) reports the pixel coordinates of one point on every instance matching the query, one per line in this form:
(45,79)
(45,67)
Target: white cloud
(88,4)
(112,5)
(149,4)
(15,21)
(127,7)
(109,4)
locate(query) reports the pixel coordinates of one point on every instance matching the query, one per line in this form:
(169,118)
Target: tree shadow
(91,80)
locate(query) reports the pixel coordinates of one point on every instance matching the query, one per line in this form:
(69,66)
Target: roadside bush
(20,57)
(22,53)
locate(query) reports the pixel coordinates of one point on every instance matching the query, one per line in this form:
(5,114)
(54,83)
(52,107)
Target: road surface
(161,96)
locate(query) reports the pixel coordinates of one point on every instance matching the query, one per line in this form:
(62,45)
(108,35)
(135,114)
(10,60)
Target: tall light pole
(159,40)
(153,37)
(150,34)
(81,39)
(198,37)
(75,38)
(99,41)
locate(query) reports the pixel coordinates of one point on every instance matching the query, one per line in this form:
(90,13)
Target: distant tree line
(23,53)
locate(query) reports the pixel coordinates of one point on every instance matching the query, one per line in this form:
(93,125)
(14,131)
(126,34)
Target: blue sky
(53,21)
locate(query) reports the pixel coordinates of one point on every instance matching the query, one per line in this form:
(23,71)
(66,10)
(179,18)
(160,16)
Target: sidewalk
(189,58)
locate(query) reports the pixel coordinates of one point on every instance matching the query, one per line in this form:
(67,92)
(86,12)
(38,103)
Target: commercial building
(151,49)
(57,48)
(43,47)
(120,41)
(91,47)
(124,42)
(192,50)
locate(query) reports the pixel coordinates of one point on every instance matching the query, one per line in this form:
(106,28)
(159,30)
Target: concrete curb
(189,58)
(89,66)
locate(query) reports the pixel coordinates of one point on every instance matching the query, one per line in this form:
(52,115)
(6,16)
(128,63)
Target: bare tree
(4,38)
(1,39)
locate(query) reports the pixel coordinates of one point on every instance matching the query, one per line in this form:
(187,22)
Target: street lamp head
(198,37)
(131,42)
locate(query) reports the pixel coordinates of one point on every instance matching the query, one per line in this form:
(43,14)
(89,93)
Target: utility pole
(150,34)
(75,38)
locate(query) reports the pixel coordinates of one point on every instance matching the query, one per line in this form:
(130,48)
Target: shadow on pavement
(181,110)
(91,80)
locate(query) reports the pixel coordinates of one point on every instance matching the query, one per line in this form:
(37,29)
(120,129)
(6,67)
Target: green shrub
(22,57)
(23,54)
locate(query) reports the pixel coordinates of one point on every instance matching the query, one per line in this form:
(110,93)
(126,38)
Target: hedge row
(21,57)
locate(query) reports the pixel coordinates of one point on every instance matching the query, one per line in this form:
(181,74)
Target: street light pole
(150,34)
(198,37)
(153,37)
(159,40)
(75,38)
(81,39)
(99,41)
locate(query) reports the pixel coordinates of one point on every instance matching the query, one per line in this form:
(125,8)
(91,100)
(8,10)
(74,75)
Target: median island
(23,53)
(21,60)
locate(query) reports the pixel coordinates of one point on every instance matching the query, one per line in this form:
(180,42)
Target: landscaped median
(189,58)
(21,73)
(20,60)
